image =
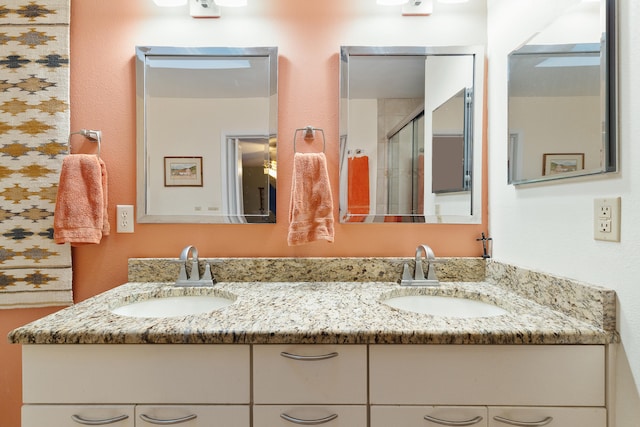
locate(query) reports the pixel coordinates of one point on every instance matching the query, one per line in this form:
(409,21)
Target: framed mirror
(206,134)
(411,134)
(562,97)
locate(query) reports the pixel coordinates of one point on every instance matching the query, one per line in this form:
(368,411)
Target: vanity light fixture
(410,7)
(170,3)
(231,3)
(418,8)
(204,9)
(391,2)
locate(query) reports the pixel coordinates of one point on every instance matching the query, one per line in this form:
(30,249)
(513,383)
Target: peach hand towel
(80,216)
(311,207)
(358,194)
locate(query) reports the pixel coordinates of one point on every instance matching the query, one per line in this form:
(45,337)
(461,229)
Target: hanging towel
(311,207)
(80,215)
(358,193)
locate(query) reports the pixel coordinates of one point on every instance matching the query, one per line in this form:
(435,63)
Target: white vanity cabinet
(263,385)
(72,385)
(303,384)
(507,383)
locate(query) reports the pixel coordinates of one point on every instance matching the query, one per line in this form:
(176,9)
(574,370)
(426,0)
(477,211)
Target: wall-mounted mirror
(562,97)
(411,134)
(206,134)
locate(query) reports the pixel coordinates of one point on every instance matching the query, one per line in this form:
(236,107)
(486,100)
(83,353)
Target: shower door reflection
(405,170)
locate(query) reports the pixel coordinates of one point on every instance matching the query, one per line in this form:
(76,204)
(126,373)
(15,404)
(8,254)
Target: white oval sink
(443,306)
(172,306)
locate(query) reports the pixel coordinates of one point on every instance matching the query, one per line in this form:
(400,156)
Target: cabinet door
(310,374)
(193,416)
(552,417)
(77,415)
(431,416)
(292,415)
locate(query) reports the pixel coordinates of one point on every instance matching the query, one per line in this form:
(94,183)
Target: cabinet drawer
(136,373)
(335,416)
(528,375)
(411,416)
(309,375)
(561,417)
(63,415)
(194,416)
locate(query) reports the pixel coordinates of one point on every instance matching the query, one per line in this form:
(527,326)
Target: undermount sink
(444,306)
(173,306)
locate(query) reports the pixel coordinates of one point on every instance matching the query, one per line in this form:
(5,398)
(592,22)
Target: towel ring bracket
(309,133)
(91,135)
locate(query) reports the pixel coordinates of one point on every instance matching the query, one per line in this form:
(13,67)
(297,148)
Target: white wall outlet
(606,219)
(204,9)
(125,219)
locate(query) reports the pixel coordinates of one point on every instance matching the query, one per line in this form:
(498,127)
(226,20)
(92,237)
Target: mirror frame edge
(141,51)
(478,134)
(612,157)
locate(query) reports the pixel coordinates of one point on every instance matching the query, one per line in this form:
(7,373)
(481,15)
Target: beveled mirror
(562,97)
(206,134)
(411,134)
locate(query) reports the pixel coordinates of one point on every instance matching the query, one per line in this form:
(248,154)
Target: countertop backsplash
(305,269)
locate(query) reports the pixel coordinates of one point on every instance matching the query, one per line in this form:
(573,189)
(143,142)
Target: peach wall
(308,35)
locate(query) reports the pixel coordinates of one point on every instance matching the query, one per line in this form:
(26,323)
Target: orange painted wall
(103,37)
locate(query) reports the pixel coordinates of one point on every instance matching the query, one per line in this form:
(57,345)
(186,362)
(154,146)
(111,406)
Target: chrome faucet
(418,278)
(193,279)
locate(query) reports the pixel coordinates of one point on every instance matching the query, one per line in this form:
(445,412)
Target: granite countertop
(310,312)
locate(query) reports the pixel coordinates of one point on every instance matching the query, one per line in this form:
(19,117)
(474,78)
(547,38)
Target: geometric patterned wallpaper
(34,129)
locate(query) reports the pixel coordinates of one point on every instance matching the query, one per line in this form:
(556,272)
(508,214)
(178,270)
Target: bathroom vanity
(315,353)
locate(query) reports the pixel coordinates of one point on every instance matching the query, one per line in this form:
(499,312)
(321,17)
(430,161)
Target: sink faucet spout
(193,278)
(418,272)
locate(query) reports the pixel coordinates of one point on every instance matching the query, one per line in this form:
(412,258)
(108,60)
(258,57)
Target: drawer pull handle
(470,422)
(524,423)
(309,358)
(81,420)
(308,422)
(167,422)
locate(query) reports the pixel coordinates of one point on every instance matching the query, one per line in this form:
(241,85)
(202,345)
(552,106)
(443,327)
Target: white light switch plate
(606,219)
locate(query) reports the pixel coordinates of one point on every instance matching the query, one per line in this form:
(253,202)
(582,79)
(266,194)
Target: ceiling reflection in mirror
(562,115)
(410,134)
(206,134)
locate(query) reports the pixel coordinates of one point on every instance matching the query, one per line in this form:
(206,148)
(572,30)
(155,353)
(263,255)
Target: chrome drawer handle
(308,422)
(87,422)
(167,422)
(470,422)
(309,358)
(524,423)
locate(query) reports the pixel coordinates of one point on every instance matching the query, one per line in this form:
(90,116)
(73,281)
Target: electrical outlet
(606,219)
(124,214)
